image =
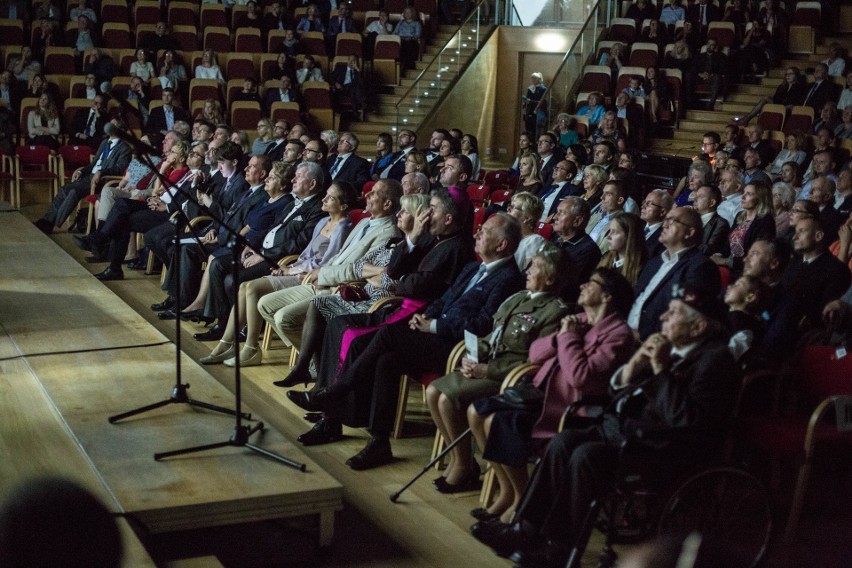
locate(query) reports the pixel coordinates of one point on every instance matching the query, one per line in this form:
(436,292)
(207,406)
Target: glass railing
(545,13)
(443,68)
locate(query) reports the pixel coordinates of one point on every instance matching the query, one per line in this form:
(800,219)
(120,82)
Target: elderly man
(822,164)
(348,166)
(677,389)
(714,239)
(291,231)
(423,343)
(285,310)
(680,263)
(569,234)
(563,173)
(655,207)
(415,182)
(754,172)
(731,183)
(822,193)
(111,159)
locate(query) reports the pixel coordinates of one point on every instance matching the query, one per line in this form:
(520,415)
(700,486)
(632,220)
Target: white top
(527,248)
(142,70)
(213,72)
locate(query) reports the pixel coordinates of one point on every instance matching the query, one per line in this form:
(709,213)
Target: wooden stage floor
(73,354)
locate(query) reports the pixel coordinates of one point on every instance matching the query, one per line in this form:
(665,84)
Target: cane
(429,465)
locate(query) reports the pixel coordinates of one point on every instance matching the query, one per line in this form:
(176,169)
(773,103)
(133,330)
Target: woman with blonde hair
(783,197)
(43,124)
(594,177)
(212,112)
(209,67)
(755,222)
(264,137)
(627,251)
(794,151)
(530,179)
(416,163)
(527,208)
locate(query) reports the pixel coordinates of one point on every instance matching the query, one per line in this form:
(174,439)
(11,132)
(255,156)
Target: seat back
(496,178)
(500,196)
(807,14)
(33,157)
(186,37)
(622,29)
(248,40)
(202,89)
(545,230)
(146,12)
(213,15)
(822,374)
(644,54)
(240,65)
(12,32)
(72,106)
(218,39)
(596,78)
(285,111)
(313,43)
(801,118)
(58,59)
(245,114)
(348,44)
(183,14)
(357,215)
(478,194)
(625,74)
(478,218)
(74,156)
(273,41)
(116,35)
(26,105)
(772,116)
(723,32)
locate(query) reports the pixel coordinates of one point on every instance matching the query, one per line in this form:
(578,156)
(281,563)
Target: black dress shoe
(482,514)
(470,482)
(110,274)
(96,259)
(303,399)
(44,226)
(166,304)
(83,242)
(166,315)
(374,454)
(550,555)
(324,432)
(215,333)
(137,264)
(502,538)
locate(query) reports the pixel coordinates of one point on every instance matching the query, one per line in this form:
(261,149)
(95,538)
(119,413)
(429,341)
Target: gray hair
(412,201)
(314,172)
(509,229)
(353,138)
(666,201)
(579,207)
(331,137)
(786,191)
(420,182)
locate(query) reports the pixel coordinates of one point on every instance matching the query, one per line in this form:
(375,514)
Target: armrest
(593,405)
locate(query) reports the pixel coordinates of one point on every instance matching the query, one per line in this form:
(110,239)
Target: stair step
(744,98)
(736,108)
(759,90)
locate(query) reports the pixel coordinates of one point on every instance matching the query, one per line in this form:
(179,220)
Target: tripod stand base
(239,438)
(179,396)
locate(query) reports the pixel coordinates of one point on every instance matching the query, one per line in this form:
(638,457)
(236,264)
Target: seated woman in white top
(209,68)
(527,208)
(142,68)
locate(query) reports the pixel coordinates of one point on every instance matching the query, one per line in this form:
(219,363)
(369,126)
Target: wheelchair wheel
(725,503)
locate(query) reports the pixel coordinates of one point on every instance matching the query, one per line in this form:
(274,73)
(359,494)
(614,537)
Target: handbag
(523,396)
(352,293)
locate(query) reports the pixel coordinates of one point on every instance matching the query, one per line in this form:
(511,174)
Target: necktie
(106,152)
(647,231)
(227,185)
(334,167)
(703,15)
(475,279)
(88,131)
(549,191)
(810,94)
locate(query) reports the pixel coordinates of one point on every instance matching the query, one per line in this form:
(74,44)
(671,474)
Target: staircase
(383,117)
(741,98)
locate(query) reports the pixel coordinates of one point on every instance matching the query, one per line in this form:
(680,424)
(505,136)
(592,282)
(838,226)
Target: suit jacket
(715,239)
(275,151)
(577,364)
(566,190)
(653,244)
(766,153)
(223,202)
(828,91)
(832,219)
(81,118)
(296,232)
(355,170)
(341,267)
(157,118)
(335,26)
(715,65)
(692,270)
(456,310)
(430,268)
(274,96)
(692,400)
(693,14)
(235,218)
(547,170)
(115,163)
(397,162)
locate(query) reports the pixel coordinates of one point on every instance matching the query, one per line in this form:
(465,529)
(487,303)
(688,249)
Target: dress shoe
(83,242)
(110,274)
(314,400)
(482,514)
(293,379)
(324,432)
(214,333)
(192,314)
(166,304)
(249,357)
(374,454)
(551,555)
(468,482)
(44,226)
(137,264)
(216,358)
(167,315)
(502,538)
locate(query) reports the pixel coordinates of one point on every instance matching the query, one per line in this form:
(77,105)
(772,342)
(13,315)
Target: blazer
(355,170)
(715,239)
(81,118)
(274,96)
(397,162)
(456,310)
(115,163)
(693,270)
(760,228)
(295,232)
(575,364)
(652,243)
(222,202)
(828,91)
(567,190)
(341,267)
(157,118)
(431,267)
(239,211)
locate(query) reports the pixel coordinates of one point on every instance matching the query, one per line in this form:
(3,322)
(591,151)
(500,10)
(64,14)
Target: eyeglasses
(311,150)
(560,168)
(651,204)
(670,220)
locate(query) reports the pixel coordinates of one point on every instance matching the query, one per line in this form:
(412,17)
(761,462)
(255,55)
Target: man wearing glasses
(680,263)
(654,209)
(348,166)
(547,145)
(280,130)
(396,167)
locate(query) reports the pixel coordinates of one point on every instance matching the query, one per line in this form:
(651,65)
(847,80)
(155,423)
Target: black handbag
(523,396)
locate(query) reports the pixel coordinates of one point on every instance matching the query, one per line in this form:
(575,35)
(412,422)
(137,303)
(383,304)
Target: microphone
(141,147)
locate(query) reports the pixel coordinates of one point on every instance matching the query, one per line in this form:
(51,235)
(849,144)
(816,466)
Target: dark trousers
(160,241)
(66,200)
(395,350)
(126,216)
(579,466)
(223,291)
(189,278)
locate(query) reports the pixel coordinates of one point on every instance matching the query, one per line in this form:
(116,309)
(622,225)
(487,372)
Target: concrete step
(735,108)
(698,127)
(706,116)
(744,98)
(757,90)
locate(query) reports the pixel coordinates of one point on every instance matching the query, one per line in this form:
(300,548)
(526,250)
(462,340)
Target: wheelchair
(651,498)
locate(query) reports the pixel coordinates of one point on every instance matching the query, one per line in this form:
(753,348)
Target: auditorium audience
(755,221)
(626,249)
(526,208)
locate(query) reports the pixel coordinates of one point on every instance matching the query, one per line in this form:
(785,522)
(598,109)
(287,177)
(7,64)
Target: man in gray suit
(285,310)
(111,159)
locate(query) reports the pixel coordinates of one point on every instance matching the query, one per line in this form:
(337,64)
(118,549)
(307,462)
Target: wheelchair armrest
(593,407)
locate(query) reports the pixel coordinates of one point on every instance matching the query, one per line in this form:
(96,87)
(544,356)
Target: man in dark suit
(347,166)
(569,234)
(280,130)
(423,343)
(655,207)
(548,148)
(111,159)
(822,193)
(406,141)
(563,173)
(88,126)
(681,263)
(758,144)
(710,67)
(291,232)
(701,14)
(285,93)
(433,152)
(341,23)
(822,90)
(679,388)
(346,80)
(714,239)
(163,118)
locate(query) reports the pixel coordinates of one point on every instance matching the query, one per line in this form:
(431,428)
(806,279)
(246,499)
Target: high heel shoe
(249,357)
(215,358)
(293,379)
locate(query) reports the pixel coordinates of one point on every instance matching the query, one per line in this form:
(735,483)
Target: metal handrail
(407,93)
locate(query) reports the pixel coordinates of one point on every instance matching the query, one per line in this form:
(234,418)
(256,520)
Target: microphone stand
(179,394)
(241,433)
